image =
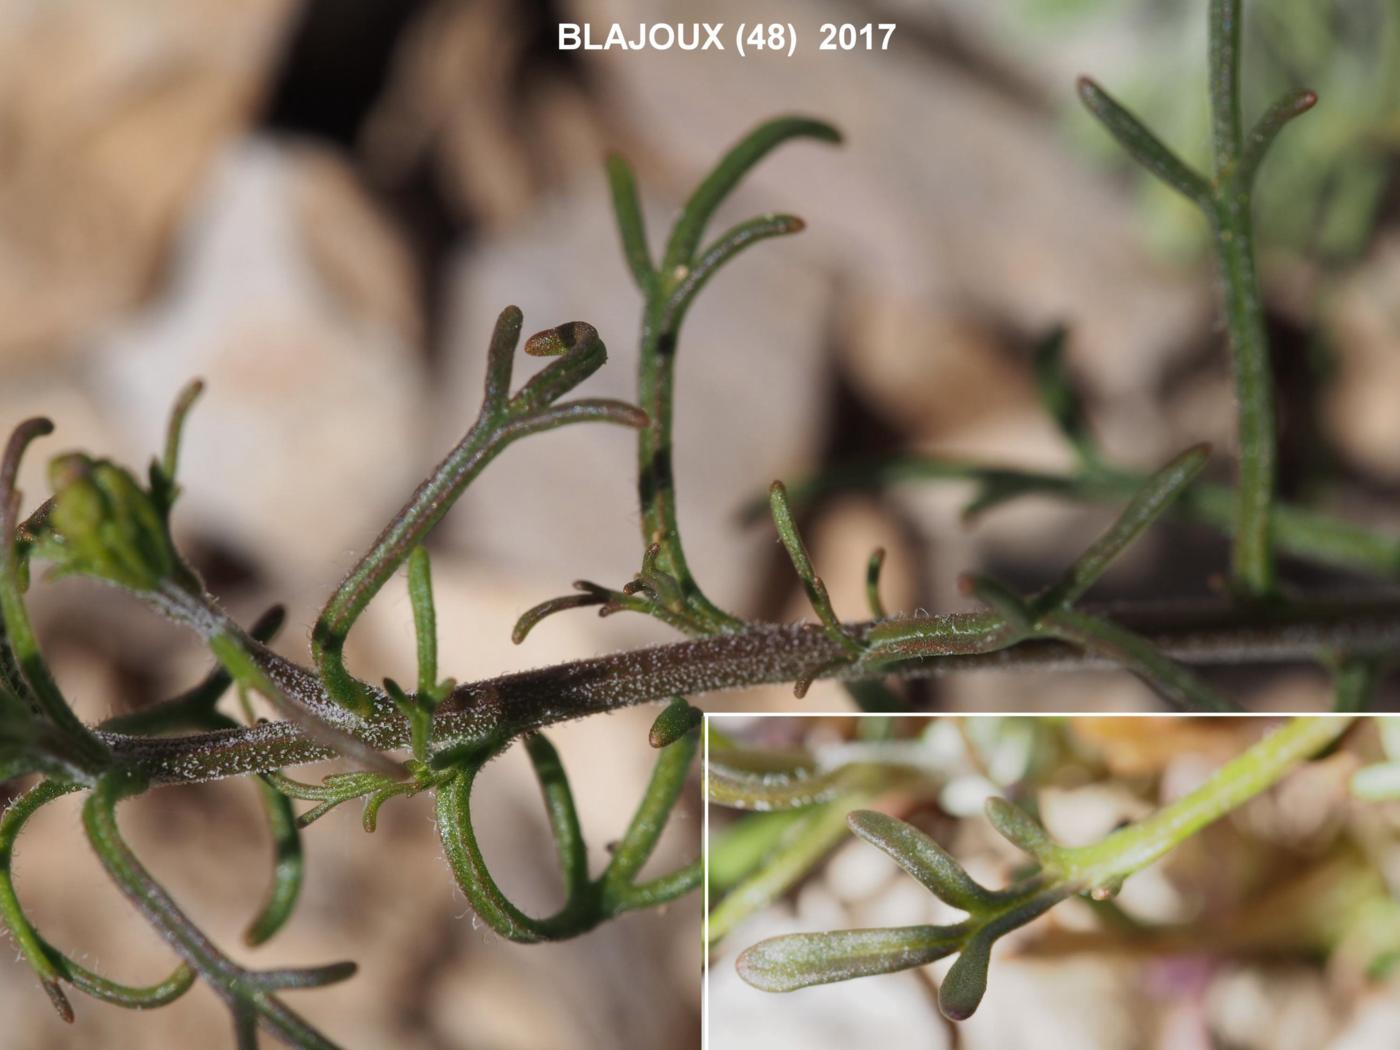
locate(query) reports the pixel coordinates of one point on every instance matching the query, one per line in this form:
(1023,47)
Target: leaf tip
(755,966)
(60,1001)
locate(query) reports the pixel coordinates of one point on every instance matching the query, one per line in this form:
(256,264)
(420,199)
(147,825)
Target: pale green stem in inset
(1230,786)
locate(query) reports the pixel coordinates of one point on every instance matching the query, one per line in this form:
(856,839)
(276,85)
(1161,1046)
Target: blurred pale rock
(931,371)
(1283,1008)
(1084,1003)
(110,115)
(1360,406)
(1131,747)
(307,437)
(449,83)
(855,872)
(354,251)
(1375,1023)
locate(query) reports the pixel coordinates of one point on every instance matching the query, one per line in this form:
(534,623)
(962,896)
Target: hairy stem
(490,712)
(1253,556)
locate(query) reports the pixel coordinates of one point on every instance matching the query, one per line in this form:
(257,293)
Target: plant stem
(503,420)
(669,290)
(242,990)
(1252,556)
(1227,202)
(1257,769)
(656,381)
(488,712)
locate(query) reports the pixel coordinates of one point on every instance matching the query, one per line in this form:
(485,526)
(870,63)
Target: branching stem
(488,712)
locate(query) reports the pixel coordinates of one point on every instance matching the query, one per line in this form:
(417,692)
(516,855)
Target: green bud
(678,719)
(104,524)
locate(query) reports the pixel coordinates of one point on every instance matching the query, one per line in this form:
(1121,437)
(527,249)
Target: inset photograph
(1100,883)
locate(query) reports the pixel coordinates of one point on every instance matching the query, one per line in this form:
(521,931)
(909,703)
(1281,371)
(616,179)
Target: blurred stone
(1131,747)
(450,82)
(931,371)
(1283,1008)
(1375,1023)
(1084,1003)
(1359,406)
(1087,814)
(855,872)
(110,115)
(352,249)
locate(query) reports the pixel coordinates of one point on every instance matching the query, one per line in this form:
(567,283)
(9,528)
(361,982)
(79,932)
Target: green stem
(27,939)
(669,292)
(503,420)
(579,912)
(245,992)
(88,751)
(1252,554)
(656,486)
(1257,769)
(488,713)
(639,841)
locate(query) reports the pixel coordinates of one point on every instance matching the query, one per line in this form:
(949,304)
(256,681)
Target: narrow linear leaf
(966,982)
(628,211)
(1143,146)
(802,565)
(531,617)
(872,583)
(561,811)
(162,471)
(1146,506)
(643,832)
(735,164)
(1266,129)
(1060,396)
(715,256)
(1176,682)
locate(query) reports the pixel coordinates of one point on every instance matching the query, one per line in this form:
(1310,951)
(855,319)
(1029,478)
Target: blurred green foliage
(1321,193)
